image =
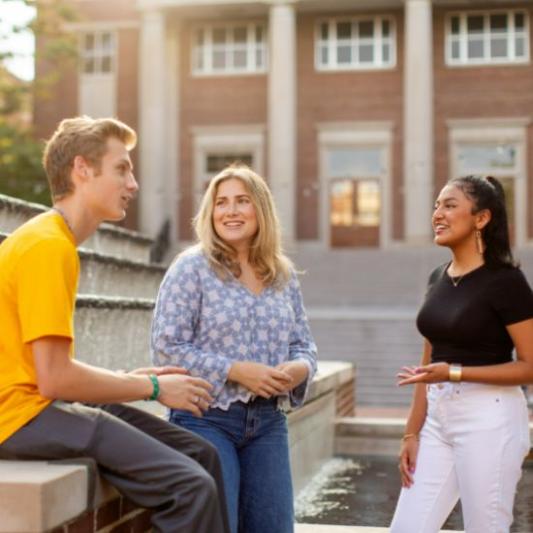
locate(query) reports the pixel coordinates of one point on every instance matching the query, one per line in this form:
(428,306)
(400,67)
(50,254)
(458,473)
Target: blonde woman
(230,310)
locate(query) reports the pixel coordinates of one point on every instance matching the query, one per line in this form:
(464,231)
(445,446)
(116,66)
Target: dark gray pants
(154,464)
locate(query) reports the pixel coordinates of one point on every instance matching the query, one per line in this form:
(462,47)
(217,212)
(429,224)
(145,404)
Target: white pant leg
(424,507)
(490,439)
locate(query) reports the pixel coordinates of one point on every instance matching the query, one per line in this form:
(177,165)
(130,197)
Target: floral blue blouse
(205,324)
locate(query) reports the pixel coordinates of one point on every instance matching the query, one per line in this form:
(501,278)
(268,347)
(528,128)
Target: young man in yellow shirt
(48,399)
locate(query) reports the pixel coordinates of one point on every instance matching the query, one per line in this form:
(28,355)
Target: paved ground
(312,528)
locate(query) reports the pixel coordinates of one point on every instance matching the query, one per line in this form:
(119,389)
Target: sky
(15,12)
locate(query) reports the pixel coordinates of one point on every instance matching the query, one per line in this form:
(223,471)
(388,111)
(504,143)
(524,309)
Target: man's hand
(179,391)
(262,380)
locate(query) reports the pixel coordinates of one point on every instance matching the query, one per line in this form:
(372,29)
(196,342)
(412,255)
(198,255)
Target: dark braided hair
(487,193)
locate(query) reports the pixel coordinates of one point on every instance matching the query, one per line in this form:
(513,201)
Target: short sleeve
(435,275)
(47,278)
(512,297)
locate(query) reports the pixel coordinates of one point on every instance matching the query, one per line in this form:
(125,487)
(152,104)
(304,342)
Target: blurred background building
(356,111)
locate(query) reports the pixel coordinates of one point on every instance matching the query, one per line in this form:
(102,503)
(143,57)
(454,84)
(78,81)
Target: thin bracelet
(156,390)
(409,436)
(455,373)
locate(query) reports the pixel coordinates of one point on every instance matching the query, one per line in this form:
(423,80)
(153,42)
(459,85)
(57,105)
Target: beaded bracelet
(155,392)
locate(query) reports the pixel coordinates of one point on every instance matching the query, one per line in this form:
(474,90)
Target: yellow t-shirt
(39,270)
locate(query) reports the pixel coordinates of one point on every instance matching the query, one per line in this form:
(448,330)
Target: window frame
(486,60)
(377,42)
(251,47)
(211,140)
(97,53)
(354,135)
(493,132)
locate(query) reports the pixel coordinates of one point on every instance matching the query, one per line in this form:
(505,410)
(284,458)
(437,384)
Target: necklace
(64,217)
(456,279)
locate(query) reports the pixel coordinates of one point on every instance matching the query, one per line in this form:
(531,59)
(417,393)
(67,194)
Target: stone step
(378,340)
(108,275)
(368,436)
(109,239)
(372,435)
(113,332)
(366,277)
(382,278)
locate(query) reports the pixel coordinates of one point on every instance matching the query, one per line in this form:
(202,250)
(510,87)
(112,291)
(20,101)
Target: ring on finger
(195,399)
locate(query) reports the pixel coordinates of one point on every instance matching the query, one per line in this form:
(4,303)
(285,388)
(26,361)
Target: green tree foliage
(21,172)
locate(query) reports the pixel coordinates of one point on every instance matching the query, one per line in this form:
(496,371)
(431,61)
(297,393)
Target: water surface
(363,490)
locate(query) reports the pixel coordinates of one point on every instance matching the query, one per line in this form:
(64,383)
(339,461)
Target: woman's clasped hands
(261,379)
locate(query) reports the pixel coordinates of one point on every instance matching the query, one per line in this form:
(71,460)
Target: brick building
(356,111)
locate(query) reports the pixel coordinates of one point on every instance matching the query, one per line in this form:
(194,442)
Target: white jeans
(472,446)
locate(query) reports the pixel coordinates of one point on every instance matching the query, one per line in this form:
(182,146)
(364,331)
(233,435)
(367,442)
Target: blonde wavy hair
(266,254)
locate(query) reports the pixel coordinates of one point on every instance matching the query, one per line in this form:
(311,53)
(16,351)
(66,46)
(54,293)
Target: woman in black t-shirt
(467,431)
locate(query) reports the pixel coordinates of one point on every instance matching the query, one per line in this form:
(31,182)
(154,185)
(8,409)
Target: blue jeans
(252,442)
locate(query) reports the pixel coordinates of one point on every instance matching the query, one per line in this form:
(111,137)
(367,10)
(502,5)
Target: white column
(418,106)
(282,113)
(173,132)
(153,143)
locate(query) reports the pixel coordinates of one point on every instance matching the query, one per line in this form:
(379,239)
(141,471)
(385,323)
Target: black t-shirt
(465,323)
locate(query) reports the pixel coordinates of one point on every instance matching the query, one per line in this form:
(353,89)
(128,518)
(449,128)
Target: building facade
(356,111)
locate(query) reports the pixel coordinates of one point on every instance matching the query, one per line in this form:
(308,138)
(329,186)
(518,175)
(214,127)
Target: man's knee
(207,454)
(204,486)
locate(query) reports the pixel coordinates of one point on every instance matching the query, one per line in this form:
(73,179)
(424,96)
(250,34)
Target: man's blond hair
(85,137)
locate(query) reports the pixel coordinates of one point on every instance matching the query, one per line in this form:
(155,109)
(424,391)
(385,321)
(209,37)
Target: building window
(355,202)
(98,52)
(351,44)
(486,158)
(487,38)
(235,49)
(215,163)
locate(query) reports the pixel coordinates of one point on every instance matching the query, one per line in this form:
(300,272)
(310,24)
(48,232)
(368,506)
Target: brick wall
(211,101)
(344,96)
(478,92)
(115,516)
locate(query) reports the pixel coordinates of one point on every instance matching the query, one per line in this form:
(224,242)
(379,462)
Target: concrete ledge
(330,375)
(107,275)
(36,496)
(368,436)
(373,436)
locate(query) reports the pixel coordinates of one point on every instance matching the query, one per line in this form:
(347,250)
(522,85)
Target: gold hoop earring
(479,242)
